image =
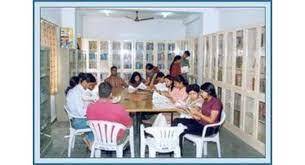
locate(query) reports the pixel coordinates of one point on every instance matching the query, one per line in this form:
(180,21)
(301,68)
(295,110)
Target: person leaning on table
(210,113)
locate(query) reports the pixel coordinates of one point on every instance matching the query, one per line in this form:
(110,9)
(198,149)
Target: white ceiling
(143,13)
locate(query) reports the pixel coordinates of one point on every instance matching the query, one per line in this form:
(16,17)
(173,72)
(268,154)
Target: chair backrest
(105,132)
(214,128)
(165,137)
(68,113)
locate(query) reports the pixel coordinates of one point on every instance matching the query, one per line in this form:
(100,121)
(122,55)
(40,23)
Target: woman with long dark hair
(209,113)
(73,82)
(135,79)
(175,67)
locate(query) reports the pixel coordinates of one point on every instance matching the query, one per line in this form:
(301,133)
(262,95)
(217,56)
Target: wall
(235,18)
(193,26)
(51,14)
(121,28)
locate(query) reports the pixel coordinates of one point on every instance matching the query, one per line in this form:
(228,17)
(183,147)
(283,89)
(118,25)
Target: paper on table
(161,102)
(132,89)
(161,87)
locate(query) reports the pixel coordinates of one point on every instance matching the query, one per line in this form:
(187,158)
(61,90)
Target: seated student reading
(115,80)
(136,82)
(193,100)
(209,113)
(104,109)
(178,93)
(151,72)
(160,82)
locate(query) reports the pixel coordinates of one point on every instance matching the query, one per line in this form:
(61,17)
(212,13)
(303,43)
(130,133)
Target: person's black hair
(113,67)
(209,88)
(175,59)
(180,79)
(133,77)
(160,75)
(73,82)
(170,78)
(193,87)
(187,53)
(104,90)
(149,66)
(82,77)
(91,78)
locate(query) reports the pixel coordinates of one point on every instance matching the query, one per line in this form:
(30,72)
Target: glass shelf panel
(220,57)
(150,52)
(116,54)
(127,56)
(237,109)
(239,57)
(249,118)
(171,54)
(139,55)
(161,56)
(229,58)
(251,62)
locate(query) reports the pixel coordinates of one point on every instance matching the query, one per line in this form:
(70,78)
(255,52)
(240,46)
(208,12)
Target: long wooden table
(137,103)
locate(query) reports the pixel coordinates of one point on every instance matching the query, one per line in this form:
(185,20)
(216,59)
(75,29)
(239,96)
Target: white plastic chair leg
(152,153)
(97,153)
(119,152)
(142,151)
(73,141)
(199,150)
(70,146)
(177,153)
(218,148)
(205,148)
(92,152)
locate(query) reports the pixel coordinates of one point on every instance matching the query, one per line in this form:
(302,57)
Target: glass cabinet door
(116,54)
(229,58)
(92,46)
(195,55)
(228,106)
(239,57)
(81,61)
(170,54)
(104,55)
(251,58)
(208,55)
(150,52)
(139,55)
(249,118)
(72,60)
(261,132)
(127,56)
(92,60)
(220,57)
(262,77)
(214,46)
(161,56)
(237,109)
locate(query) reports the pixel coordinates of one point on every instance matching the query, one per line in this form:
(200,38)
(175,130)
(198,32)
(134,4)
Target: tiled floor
(232,146)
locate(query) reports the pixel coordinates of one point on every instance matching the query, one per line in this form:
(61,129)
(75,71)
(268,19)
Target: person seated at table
(90,96)
(114,80)
(175,67)
(160,82)
(77,106)
(169,82)
(193,100)
(178,93)
(105,109)
(151,73)
(209,113)
(136,82)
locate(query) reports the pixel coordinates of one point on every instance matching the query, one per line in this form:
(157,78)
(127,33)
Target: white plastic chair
(73,132)
(202,141)
(164,140)
(105,137)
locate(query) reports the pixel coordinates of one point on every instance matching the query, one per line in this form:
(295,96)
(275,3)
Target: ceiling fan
(137,19)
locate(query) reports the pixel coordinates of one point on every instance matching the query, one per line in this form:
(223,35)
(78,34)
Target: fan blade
(144,19)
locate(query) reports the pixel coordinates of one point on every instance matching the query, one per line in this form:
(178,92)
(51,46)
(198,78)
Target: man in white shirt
(77,105)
